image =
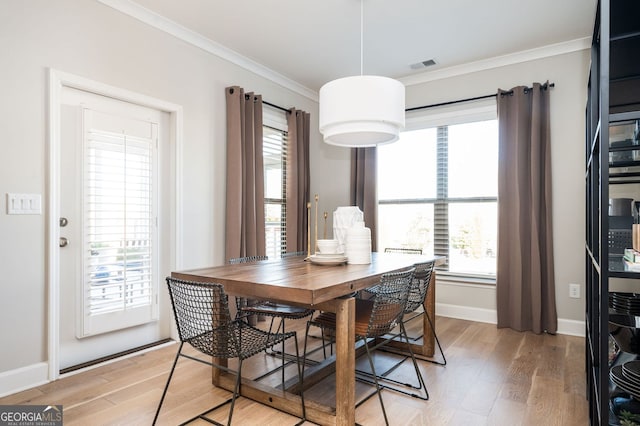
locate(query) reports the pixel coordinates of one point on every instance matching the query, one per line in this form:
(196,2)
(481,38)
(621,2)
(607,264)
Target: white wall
(569,72)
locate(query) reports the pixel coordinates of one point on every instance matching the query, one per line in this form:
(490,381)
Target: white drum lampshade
(361,111)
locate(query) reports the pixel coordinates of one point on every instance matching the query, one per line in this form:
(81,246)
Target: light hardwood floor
(493,377)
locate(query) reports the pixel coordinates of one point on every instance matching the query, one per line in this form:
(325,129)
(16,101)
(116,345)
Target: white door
(109,248)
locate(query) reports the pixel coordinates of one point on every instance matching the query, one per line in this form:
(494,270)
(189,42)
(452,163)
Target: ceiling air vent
(423,64)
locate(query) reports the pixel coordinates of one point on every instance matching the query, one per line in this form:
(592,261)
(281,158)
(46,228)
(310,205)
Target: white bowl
(327,246)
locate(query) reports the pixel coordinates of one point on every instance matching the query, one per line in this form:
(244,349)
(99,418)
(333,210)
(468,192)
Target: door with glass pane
(109,251)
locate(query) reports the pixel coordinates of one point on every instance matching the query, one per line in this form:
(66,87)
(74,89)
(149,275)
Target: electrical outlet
(574,291)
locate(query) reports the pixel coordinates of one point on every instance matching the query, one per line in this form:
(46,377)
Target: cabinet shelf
(624,182)
(624,116)
(617,269)
(629,147)
(627,176)
(621,164)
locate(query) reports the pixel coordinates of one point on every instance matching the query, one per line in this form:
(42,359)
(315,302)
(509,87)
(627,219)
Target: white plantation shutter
(441,206)
(274,152)
(275,166)
(119,239)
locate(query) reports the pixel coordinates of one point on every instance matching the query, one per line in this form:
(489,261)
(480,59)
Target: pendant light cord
(361,36)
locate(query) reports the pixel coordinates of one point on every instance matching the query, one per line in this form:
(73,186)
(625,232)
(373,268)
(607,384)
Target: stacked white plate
(358,244)
(328,259)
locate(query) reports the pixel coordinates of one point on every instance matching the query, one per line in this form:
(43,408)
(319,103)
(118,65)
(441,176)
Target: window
(120,232)
(275,181)
(438,189)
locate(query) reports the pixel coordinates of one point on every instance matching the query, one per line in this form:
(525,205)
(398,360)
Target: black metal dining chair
(402,250)
(256,307)
(293,254)
(203,320)
(416,300)
(417,296)
(246,308)
(376,317)
(418,289)
(243,302)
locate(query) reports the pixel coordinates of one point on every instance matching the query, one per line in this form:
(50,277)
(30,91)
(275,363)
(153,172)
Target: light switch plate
(24,203)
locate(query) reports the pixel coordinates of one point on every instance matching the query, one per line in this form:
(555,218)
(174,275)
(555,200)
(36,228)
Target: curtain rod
(246,96)
(276,106)
(510,92)
(476,98)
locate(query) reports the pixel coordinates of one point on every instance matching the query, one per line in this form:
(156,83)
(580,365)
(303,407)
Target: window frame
(441,118)
(276,121)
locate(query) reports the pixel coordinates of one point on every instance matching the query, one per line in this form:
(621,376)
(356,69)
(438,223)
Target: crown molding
(499,61)
(131,8)
(157,21)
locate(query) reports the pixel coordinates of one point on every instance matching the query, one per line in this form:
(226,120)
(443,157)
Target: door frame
(57,80)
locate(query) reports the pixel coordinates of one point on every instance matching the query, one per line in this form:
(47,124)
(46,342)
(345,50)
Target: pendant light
(361,111)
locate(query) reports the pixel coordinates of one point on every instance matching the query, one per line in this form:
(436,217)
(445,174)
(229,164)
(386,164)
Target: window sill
(465,279)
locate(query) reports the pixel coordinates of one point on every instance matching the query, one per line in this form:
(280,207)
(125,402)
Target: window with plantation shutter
(120,235)
(275,181)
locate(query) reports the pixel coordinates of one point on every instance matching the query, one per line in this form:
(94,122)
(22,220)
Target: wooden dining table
(298,281)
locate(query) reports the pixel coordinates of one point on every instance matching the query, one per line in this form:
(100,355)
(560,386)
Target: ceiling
(313,42)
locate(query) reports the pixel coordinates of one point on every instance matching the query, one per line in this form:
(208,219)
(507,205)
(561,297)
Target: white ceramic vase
(358,244)
(343,219)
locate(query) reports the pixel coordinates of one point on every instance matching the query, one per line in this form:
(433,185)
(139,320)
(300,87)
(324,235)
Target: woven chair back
(202,316)
(247,259)
(402,250)
(293,254)
(389,302)
(419,285)
(243,302)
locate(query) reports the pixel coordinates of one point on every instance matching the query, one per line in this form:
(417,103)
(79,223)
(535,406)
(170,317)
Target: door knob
(63,242)
(63,222)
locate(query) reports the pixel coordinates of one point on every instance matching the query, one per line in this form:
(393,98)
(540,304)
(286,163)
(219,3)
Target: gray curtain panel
(245,228)
(364,187)
(525,270)
(298,179)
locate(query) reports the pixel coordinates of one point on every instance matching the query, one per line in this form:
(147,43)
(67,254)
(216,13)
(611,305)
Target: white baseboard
(571,327)
(467,313)
(565,326)
(23,378)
